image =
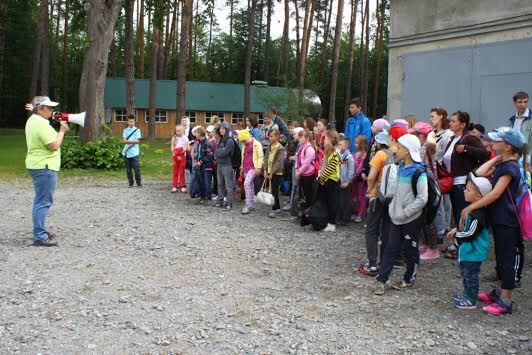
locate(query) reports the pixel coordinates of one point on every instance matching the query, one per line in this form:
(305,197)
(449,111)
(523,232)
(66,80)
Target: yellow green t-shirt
(39,134)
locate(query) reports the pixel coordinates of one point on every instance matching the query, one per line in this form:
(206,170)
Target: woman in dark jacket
(463,154)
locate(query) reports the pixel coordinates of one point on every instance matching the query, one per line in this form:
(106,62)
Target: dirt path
(144,271)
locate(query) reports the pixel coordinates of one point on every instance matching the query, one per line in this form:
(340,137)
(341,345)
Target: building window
(237,118)
(208,116)
(191,116)
(261,120)
(120,115)
(161,116)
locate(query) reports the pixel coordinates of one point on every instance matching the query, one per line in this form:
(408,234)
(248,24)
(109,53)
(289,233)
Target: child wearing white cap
(406,214)
(474,242)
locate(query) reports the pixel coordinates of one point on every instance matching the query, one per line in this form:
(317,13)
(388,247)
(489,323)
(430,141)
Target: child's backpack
(236,157)
(316,215)
(388,185)
(433,202)
(523,209)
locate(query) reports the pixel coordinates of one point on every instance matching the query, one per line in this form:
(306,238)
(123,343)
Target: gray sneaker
(48,242)
(247,209)
(274,213)
(379,289)
(228,207)
(288,207)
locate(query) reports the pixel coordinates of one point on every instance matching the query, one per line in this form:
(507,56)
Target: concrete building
(467,55)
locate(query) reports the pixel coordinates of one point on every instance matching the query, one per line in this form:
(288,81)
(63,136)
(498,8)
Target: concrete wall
(415,17)
(434,26)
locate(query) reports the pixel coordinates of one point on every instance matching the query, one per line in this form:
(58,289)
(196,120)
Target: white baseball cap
(297,130)
(411,142)
(210,128)
(483,184)
(43,101)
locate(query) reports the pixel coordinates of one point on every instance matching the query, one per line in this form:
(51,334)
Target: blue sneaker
(465,303)
(457,296)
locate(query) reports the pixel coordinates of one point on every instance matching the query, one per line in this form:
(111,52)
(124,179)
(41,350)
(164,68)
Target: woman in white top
(440,136)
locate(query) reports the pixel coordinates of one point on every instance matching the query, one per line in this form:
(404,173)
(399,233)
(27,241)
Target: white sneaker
(358,219)
(288,207)
(184,190)
(330,228)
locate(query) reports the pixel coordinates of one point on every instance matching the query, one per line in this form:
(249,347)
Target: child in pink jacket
(360,186)
(305,165)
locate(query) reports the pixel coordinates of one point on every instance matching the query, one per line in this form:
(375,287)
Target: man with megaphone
(43,161)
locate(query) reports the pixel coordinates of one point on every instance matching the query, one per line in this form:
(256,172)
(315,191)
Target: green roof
(208,96)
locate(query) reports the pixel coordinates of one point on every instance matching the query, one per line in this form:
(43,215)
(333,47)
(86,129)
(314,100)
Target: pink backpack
(523,209)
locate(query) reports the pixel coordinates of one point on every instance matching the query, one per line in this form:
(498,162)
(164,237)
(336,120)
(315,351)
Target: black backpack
(433,202)
(236,157)
(317,215)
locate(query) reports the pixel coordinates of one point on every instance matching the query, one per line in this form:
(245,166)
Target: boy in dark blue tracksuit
(474,241)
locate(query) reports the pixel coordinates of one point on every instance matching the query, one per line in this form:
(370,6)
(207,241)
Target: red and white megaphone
(77,118)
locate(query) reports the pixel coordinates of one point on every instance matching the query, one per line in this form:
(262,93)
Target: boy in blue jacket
(474,241)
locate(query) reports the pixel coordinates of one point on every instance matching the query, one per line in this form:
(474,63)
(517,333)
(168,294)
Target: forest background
(336,48)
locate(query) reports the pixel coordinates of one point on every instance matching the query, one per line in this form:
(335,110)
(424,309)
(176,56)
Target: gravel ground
(144,271)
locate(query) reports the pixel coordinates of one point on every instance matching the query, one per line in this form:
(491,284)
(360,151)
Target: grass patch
(155,161)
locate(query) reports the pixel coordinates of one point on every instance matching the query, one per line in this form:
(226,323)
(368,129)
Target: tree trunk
(381,13)
(366,62)
(285,43)
(325,46)
(59,3)
(3,9)
(160,55)
(129,59)
(268,40)
(352,28)
(186,14)
(101,19)
(307,27)
(362,47)
(45,53)
(153,83)
(336,56)
(210,8)
(114,58)
(231,13)
(249,53)
(140,33)
(170,40)
(298,37)
(190,64)
(64,101)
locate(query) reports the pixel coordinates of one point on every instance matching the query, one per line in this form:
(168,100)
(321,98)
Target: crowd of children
(397,183)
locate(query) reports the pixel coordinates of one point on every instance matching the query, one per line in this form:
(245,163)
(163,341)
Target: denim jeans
(470,271)
(133,163)
(44,183)
(206,191)
(458,201)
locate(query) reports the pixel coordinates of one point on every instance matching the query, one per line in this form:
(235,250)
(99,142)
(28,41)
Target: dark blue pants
(206,191)
(409,234)
(458,202)
(508,255)
(133,163)
(470,271)
(196,183)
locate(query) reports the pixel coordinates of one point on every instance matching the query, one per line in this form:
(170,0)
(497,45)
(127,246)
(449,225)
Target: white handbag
(265,194)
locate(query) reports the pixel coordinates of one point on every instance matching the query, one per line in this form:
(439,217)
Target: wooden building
(203,100)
